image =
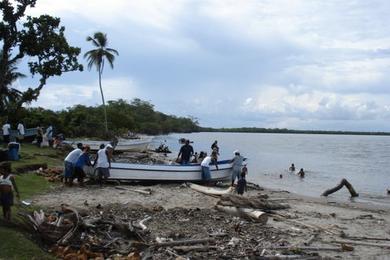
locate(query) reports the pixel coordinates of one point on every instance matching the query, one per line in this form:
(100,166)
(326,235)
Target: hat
(109,146)
(236,151)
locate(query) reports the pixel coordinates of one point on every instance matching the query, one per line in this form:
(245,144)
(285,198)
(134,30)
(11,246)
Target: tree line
(137,116)
(286,131)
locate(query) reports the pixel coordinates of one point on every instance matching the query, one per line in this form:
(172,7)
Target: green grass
(15,244)
(31,154)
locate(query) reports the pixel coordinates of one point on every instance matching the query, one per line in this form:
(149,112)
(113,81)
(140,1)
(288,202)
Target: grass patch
(31,154)
(15,245)
(30,184)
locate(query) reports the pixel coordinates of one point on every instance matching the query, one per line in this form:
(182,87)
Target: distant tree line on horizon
(286,131)
(86,121)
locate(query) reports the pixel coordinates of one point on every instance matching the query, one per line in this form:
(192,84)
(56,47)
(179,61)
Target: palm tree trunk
(104,103)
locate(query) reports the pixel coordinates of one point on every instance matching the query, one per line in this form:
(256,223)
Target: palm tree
(96,57)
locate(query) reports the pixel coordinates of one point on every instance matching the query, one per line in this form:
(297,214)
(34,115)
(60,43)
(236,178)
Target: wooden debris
(343,183)
(361,243)
(251,214)
(186,249)
(304,248)
(254,202)
(185,242)
(365,238)
(141,191)
(210,190)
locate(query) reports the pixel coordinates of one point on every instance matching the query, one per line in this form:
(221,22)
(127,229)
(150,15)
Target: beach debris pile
(54,174)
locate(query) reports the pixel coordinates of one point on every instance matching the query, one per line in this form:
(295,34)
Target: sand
(291,227)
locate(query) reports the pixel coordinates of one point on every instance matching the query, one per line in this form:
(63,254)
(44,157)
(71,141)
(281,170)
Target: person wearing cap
(103,163)
(186,152)
(69,163)
(82,161)
(237,162)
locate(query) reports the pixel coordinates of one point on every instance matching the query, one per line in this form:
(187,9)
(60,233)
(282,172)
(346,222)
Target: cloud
(60,96)
(236,63)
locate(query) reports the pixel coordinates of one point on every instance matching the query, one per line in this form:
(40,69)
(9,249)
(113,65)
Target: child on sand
(7,185)
(241,185)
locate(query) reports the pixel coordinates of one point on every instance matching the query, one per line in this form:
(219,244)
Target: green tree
(96,57)
(42,40)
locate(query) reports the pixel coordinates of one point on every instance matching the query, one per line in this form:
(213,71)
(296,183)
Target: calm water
(362,160)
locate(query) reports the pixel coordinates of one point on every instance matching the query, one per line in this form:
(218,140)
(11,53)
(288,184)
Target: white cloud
(60,96)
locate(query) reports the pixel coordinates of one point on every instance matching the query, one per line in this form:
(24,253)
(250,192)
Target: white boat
(145,172)
(122,145)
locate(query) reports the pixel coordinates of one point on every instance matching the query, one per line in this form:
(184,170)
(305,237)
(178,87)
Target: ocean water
(363,160)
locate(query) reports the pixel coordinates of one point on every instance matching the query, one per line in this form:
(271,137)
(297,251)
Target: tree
(96,57)
(42,40)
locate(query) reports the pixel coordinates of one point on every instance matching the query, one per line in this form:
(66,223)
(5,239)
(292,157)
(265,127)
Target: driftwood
(343,183)
(186,249)
(365,238)
(254,202)
(281,257)
(185,242)
(310,239)
(299,223)
(305,248)
(361,243)
(251,214)
(144,192)
(211,191)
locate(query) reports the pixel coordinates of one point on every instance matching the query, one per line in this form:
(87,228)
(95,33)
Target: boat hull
(141,172)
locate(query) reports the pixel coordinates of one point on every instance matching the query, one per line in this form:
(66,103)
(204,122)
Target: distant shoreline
(288,131)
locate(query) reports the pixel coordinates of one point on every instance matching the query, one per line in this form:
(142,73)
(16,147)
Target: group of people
(6,128)
(43,138)
(76,161)
(239,172)
(301,172)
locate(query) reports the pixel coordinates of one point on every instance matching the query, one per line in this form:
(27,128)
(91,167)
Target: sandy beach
(314,227)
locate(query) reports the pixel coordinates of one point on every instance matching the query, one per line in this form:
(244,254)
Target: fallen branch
(185,242)
(365,238)
(145,192)
(343,183)
(141,224)
(186,249)
(252,214)
(360,243)
(303,248)
(310,240)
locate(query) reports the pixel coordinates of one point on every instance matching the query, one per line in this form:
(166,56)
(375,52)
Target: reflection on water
(362,160)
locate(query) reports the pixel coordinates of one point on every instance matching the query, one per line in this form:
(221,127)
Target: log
(144,192)
(210,190)
(343,183)
(186,249)
(251,214)
(185,242)
(366,238)
(254,202)
(361,243)
(304,248)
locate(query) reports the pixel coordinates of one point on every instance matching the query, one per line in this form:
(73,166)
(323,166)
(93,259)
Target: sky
(297,64)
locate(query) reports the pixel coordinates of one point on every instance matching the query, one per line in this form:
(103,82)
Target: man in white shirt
(206,176)
(103,162)
(6,132)
(70,161)
(20,132)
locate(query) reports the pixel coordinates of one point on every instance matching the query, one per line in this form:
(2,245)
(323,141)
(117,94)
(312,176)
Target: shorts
(68,171)
(206,173)
(6,199)
(103,172)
